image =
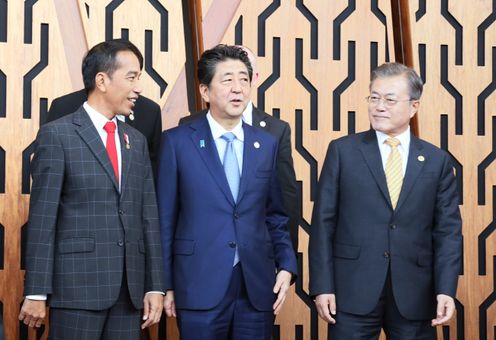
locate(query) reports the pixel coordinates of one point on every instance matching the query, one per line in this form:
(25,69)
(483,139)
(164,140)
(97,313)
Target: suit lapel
(372,155)
(90,136)
(413,169)
(249,159)
(204,143)
(125,154)
(259,119)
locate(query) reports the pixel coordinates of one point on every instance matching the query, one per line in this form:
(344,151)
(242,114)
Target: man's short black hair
(102,58)
(210,58)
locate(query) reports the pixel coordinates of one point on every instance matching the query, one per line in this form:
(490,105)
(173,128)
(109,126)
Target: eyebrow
(232,73)
(387,94)
(132,73)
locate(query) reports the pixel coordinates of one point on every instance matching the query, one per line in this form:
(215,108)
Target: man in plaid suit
(93,244)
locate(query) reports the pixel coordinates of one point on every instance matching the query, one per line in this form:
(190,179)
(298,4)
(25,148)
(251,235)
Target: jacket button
(120,243)
(232,244)
(236,216)
(393,226)
(386,255)
(121,212)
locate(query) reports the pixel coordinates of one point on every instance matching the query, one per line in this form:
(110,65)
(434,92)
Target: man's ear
(100,82)
(254,79)
(204,92)
(415,108)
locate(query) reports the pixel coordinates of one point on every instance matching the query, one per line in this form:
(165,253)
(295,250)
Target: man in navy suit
(93,241)
(282,132)
(227,252)
(385,243)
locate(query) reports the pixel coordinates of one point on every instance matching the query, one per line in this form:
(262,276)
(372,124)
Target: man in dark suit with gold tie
(385,242)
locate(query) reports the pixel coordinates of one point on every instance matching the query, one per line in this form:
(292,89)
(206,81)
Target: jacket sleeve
(447,237)
(168,203)
(324,219)
(287,180)
(47,170)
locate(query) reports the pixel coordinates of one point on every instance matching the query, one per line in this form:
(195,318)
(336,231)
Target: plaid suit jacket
(82,232)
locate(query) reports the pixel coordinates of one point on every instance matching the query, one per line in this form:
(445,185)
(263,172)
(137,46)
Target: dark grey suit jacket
(286,174)
(148,118)
(83,234)
(356,237)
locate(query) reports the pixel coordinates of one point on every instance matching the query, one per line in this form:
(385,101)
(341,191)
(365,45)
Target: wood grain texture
(314,59)
(457,113)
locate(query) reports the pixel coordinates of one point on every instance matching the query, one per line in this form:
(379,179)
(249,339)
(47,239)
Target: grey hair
(415,83)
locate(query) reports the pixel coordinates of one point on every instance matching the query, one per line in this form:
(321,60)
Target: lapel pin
(256,145)
(131,116)
(263,123)
(202,143)
(421,158)
(126,141)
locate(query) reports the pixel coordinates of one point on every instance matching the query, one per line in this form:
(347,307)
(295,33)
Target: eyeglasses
(388,102)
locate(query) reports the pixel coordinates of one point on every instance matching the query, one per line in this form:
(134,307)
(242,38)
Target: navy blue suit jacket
(200,220)
(356,236)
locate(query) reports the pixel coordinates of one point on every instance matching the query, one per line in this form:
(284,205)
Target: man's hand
(326,307)
(33,312)
(152,310)
(169,305)
(283,281)
(445,309)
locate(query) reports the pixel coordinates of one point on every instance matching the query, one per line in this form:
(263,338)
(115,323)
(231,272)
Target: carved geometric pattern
(2,171)
(314,75)
(159,35)
(458,65)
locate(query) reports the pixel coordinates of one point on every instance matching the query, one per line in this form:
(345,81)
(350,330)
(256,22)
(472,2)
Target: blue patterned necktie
(231,168)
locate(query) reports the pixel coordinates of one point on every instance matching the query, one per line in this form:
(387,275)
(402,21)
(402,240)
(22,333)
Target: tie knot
(109,127)
(392,142)
(228,137)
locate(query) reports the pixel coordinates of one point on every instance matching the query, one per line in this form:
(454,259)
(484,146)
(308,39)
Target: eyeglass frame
(388,102)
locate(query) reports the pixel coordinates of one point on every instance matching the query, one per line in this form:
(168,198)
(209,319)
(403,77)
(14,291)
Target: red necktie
(111,149)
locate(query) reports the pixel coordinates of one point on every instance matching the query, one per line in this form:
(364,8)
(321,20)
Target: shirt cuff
(155,292)
(39,297)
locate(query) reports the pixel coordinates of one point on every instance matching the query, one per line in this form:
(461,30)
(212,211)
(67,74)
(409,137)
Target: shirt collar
(248,113)
(403,137)
(98,119)
(218,130)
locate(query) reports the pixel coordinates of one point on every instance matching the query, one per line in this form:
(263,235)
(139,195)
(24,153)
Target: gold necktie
(394,171)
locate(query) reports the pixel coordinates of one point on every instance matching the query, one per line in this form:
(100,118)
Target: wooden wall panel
(30,79)
(457,113)
(156,27)
(314,58)
(314,66)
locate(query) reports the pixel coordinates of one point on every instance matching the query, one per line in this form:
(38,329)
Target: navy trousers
(233,319)
(386,316)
